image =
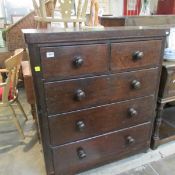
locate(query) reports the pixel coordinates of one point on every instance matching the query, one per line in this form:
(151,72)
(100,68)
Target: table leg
(158,121)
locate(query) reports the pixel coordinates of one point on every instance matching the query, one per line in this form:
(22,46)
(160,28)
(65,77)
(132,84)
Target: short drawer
(167,83)
(70,61)
(95,121)
(133,55)
(89,153)
(65,96)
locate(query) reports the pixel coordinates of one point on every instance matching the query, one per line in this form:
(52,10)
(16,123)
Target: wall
(116,7)
(154,6)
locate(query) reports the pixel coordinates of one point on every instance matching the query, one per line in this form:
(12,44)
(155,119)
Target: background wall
(116,7)
(19,7)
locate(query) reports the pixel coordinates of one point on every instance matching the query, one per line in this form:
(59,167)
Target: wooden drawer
(171,85)
(63,96)
(92,152)
(167,83)
(68,61)
(132,55)
(87,123)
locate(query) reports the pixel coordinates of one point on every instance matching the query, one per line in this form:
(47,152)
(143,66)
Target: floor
(24,157)
(17,156)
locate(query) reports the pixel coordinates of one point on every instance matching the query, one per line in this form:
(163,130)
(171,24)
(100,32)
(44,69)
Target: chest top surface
(67,35)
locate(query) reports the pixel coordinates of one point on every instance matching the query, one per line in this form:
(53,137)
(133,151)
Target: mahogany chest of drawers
(96,93)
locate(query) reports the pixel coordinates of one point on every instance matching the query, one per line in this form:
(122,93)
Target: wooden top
(143,20)
(62,35)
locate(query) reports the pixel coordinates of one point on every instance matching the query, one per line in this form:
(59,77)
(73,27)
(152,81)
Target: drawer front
(171,85)
(68,61)
(167,83)
(87,123)
(89,153)
(135,55)
(76,94)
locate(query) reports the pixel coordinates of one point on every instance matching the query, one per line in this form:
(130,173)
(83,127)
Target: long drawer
(133,55)
(64,96)
(95,121)
(70,61)
(75,157)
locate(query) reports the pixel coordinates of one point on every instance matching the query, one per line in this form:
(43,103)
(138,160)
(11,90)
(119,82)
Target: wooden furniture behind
(96,93)
(8,89)
(166,95)
(65,10)
(111,21)
(155,20)
(28,84)
(94,10)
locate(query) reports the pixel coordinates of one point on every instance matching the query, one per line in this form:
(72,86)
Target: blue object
(169,54)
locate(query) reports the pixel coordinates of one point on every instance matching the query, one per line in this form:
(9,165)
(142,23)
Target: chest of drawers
(96,93)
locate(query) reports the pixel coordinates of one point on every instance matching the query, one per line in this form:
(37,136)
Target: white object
(50,54)
(169,54)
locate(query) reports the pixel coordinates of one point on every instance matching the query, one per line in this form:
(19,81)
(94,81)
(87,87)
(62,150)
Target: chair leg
(21,108)
(16,121)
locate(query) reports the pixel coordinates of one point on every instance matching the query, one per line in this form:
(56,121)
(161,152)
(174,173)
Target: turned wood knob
(81,153)
(80,125)
(80,95)
(130,140)
(136,84)
(133,112)
(137,55)
(78,62)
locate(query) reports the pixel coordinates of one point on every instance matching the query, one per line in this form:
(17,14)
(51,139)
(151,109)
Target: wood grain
(99,149)
(61,96)
(63,128)
(122,55)
(95,60)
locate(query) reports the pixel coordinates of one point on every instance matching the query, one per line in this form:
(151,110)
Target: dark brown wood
(108,21)
(62,96)
(64,63)
(166,95)
(158,121)
(126,55)
(41,109)
(28,84)
(100,149)
(151,20)
(57,35)
(95,121)
(94,115)
(167,85)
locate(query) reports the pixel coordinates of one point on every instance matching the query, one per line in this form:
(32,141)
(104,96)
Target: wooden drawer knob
(137,55)
(81,153)
(130,140)
(136,84)
(78,62)
(80,125)
(133,112)
(80,95)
